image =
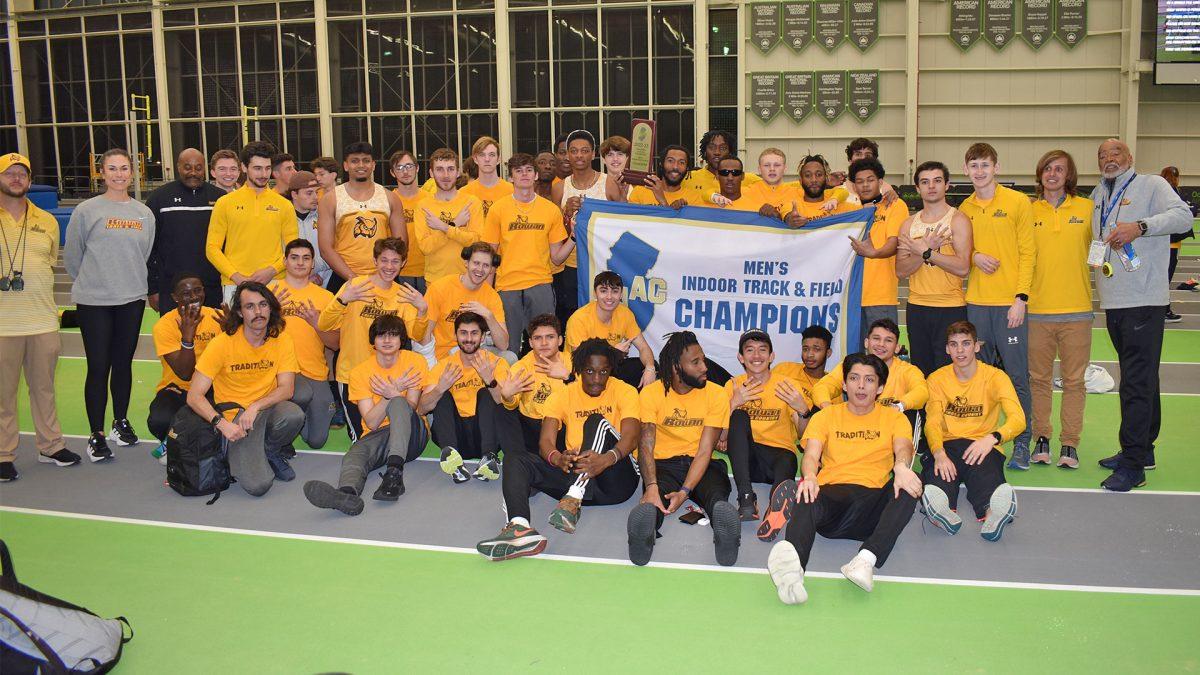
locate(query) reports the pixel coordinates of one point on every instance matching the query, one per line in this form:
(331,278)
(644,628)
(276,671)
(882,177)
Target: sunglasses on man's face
(730,172)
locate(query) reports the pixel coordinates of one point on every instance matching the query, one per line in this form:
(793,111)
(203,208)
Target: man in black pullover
(181,212)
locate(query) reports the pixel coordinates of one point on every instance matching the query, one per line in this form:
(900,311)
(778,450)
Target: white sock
(575,491)
(519,521)
(864,554)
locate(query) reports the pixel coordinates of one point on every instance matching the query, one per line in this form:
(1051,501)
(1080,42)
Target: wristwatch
(215,420)
(1024,297)
(925,256)
(1142,224)
(999,439)
(492,384)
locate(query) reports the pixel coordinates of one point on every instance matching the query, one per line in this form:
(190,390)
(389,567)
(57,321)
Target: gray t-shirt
(108,244)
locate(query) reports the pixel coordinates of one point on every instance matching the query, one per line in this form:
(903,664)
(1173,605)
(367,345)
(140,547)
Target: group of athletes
(447,310)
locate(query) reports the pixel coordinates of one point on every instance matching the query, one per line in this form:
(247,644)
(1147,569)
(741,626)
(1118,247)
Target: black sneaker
(98,448)
(288,452)
(283,471)
(8,471)
(1172,317)
(1123,481)
(727,533)
(1113,463)
(1041,451)
(392,486)
(748,507)
(641,530)
(122,433)
(325,496)
(63,457)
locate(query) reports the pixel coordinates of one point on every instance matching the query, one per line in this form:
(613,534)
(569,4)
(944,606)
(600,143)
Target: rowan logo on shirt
(678,419)
(252,366)
(1075,220)
(521,223)
(452,315)
(860,435)
(1000,213)
(365,227)
(487,205)
(408,215)
(961,407)
(291,308)
(887,400)
(542,393)
(269,208)
(757,413)
(374,310)
(123,224)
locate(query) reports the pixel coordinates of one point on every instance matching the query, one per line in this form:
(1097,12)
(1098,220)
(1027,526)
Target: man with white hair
(1135,215)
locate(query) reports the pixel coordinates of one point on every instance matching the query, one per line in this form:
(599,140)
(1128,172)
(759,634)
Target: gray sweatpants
(404,438)
(1013,345)
(521,306)
(274,428)
(316,400)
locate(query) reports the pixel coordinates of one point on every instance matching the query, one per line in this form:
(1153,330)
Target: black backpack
(197,455)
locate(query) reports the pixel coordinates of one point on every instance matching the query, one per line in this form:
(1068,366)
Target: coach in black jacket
(181,211)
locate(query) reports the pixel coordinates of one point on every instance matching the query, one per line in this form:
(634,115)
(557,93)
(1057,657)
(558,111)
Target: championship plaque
(641,153)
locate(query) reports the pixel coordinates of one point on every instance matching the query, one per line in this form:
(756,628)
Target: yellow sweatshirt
(971,409)
(248,231)
(1003,229)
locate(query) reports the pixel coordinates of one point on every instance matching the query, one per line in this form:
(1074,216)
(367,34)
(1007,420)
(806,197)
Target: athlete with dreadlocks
(715,145)
(682,418)
(589,464)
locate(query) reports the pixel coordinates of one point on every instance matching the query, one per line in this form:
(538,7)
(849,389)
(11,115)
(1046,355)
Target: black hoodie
(181,215)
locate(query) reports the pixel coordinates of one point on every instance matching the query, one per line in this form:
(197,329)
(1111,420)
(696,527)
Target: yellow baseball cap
(10,159)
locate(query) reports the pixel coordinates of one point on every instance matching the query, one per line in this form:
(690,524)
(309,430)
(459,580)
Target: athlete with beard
(447,222)
(355,215)
(814,171)
(715,145)
(404,169)
(667,187)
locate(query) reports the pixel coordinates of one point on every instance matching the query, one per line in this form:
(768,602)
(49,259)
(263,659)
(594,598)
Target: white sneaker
(787,573)
(1002,508)
(938,511)
(861,572)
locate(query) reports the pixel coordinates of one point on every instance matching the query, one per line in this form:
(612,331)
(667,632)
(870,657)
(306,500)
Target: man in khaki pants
(29,328)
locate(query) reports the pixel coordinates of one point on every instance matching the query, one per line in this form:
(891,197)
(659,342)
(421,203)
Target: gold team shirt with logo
(680,419)
(971,409)
(242,373)
(880,285)
(585,324)
(358,224)
(488,196)
(522,234)
(770,416)
(1062,280)
(1001,227)
(354,320)
(468,385)
(532,403)
(856,449)
(247,232)
(905,384)
(32,311)
(446,296)
(443,250)
(168,340)
(310,351)
(572,406)
(360,379)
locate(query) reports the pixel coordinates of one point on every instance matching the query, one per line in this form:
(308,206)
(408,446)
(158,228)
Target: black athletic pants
(531,433)
(981,479)
(166,403)
(566,294)
(110,335)
(754,462)
(1137,335)
(712,488)
(493,427)
(927,334)
(526,472)
(873,516)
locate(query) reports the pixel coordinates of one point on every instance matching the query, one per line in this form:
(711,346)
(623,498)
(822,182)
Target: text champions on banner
(720,273)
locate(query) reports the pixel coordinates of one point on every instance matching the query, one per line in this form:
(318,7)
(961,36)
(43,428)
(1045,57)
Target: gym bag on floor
(42,634)
(197,456)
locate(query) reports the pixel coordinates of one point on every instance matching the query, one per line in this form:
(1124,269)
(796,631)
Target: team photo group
(454,317)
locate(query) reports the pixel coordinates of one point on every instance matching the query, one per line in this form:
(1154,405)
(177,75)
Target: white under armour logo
(1012,340)
(179,200)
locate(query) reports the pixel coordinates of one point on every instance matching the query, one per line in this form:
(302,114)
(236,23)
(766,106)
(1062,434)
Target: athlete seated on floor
(589,464)
(816,346)
(464,391)
(609,319)
(180,337)
(857,482)
(905,389)
(682,418)
(251,363)
(540,373)
(966,437)
(765,423)
(386,389)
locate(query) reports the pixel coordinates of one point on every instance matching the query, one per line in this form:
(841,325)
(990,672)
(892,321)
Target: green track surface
(1178,461)
(205,602)
(1178,345)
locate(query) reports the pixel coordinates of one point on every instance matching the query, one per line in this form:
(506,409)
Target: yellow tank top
(359,224)
(932,286)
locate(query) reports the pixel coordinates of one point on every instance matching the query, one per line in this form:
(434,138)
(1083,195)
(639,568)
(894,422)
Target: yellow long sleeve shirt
(354,321)
(443,250)
(1003,229)
(247,232)
(905,384)
(1062,280)
(971,409)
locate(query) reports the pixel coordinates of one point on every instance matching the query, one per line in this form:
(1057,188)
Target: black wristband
(999,439)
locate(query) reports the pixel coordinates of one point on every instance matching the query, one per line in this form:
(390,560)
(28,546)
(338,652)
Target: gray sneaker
(1020,457)
(1068,458)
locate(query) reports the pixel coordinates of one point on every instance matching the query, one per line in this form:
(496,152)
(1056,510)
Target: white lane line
(149,445)
(933,581)
(84,358)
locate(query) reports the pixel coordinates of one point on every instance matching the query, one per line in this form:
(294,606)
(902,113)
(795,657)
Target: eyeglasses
(730,172)
(407,166)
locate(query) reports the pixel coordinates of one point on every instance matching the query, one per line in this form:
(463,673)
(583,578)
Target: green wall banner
(1070,21)
(798,24)
(764,25)
(797,95)
(830,22)
(1037,23)
(864,93)
(831,93)
(764,95)
(966,21)
(999,22)
(864,23)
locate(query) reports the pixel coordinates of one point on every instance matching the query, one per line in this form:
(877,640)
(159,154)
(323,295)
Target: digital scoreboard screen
(1177,52)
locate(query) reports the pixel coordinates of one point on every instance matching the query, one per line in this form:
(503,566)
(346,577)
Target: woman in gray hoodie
(109,239)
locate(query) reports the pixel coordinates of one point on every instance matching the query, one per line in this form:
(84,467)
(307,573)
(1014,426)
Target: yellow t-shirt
(445,296)
(414,264)
(488,195)
(467,388)
(310,351)
(430,186)
(794,370)
(932,286)
(780,196)
(532,403)
(857,449)
(572,406)
(523,234)
(354,320)
(443,250)
(879,274)
(167,340)
(905,384)
(770,417)
(360,378)
(1062,280)
(642,195)
(971,409)
(247,232)
(1003,228)
(749,201)
(680,419)
(585,324)
(33,310)
(242,373)
(704,182)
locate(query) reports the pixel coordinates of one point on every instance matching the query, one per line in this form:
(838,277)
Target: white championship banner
(720,273)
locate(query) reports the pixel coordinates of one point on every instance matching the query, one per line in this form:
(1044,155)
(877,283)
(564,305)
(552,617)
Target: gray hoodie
(1152,200)
(108,244)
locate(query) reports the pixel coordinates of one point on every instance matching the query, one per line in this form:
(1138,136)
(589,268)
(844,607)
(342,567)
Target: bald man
(1135,213)
(181,210)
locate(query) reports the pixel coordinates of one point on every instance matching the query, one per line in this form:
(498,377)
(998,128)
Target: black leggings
(110,336)
(754,462)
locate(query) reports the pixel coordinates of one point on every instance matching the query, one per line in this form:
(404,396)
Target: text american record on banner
(719,273)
